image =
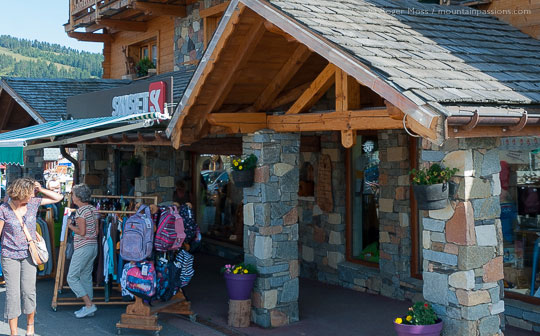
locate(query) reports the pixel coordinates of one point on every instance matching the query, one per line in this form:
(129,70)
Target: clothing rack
(61,264)
(138,315)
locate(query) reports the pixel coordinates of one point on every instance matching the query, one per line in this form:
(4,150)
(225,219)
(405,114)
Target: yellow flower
(240,167)
(399,320)
(235,271)
(235,163)
(409,318)
(245,271)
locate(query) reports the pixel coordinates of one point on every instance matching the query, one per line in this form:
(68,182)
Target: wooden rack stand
(61,265)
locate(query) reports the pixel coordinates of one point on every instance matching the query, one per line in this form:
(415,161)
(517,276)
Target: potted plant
(239,280)
(243,171)
(143,66)
(431,186)
(420,320)
(131,168)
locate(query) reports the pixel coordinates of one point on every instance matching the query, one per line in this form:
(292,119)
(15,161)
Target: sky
(40,20)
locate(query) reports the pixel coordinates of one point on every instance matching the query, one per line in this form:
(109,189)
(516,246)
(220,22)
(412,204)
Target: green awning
(12,143)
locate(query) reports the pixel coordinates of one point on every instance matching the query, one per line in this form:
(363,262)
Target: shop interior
(218,200)
(520,217)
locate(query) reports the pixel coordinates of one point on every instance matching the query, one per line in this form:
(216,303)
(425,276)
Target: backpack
(163,279)
(168,279)
(137,239)
(141,280)
(184,262)
(190,226)
(170,231)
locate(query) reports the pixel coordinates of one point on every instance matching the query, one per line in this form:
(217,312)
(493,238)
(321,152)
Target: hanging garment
(123,278)
(100,258)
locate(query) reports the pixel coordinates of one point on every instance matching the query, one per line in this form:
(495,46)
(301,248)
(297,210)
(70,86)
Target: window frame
(348,208)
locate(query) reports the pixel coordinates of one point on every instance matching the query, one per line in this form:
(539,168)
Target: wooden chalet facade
(348,96)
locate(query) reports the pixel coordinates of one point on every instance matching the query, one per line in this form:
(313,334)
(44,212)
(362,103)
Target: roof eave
(33,113)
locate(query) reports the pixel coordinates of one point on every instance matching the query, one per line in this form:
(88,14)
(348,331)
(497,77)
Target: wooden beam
(274,29)
(124,25)
(365,119)
(91,37)
(393,111)
(289,96)
(316,90)
(217,10)
(342,91)
(159,9)
(278,83)
(241,56)
(238,122)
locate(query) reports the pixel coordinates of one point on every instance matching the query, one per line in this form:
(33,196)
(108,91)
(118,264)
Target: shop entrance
(219,201)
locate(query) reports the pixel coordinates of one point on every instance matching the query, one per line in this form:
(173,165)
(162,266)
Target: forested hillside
(26,58)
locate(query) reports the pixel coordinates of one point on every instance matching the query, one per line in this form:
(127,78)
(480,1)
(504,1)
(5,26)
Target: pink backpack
(170,231)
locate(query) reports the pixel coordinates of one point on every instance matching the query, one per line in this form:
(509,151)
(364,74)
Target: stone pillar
(462,244)
(271,226)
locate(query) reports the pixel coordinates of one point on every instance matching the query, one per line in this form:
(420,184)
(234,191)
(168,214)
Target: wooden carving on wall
(324,197)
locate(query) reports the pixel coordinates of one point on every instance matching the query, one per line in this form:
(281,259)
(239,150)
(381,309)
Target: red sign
(157,97)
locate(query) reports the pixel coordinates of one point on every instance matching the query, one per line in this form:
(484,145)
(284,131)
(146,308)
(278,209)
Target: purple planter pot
(424,330)
(239,286)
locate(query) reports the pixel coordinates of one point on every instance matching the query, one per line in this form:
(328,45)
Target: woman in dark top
(19,270)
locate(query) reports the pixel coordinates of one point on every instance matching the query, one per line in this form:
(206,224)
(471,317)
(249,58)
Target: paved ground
(324,310)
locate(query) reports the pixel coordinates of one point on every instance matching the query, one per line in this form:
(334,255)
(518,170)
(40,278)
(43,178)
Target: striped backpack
(170,231)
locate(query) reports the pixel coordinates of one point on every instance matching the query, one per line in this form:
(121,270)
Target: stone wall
(271,226)
(33,167)
(189,35)
(462,244)
(322,235)
(162,166)
(95,167)
(522,315)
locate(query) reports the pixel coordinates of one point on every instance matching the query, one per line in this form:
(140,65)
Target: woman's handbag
(37,248)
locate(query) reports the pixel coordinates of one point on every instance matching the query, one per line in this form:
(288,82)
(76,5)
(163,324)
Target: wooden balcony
(118,15)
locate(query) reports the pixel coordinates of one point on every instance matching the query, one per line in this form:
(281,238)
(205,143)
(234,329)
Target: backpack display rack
(138,315)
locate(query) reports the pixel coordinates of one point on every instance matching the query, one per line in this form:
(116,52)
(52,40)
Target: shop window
(363,223)
(520,221)
(141,50)
(219,207)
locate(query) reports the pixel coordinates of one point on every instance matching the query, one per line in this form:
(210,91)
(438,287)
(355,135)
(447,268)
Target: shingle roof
(431,53)
(48,97)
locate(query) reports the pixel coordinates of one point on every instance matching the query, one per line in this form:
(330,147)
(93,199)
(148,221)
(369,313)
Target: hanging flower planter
(243,171)
(431,186)
(431,197)
(243,178)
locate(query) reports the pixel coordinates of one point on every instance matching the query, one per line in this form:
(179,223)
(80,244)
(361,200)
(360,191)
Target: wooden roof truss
(256,76)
